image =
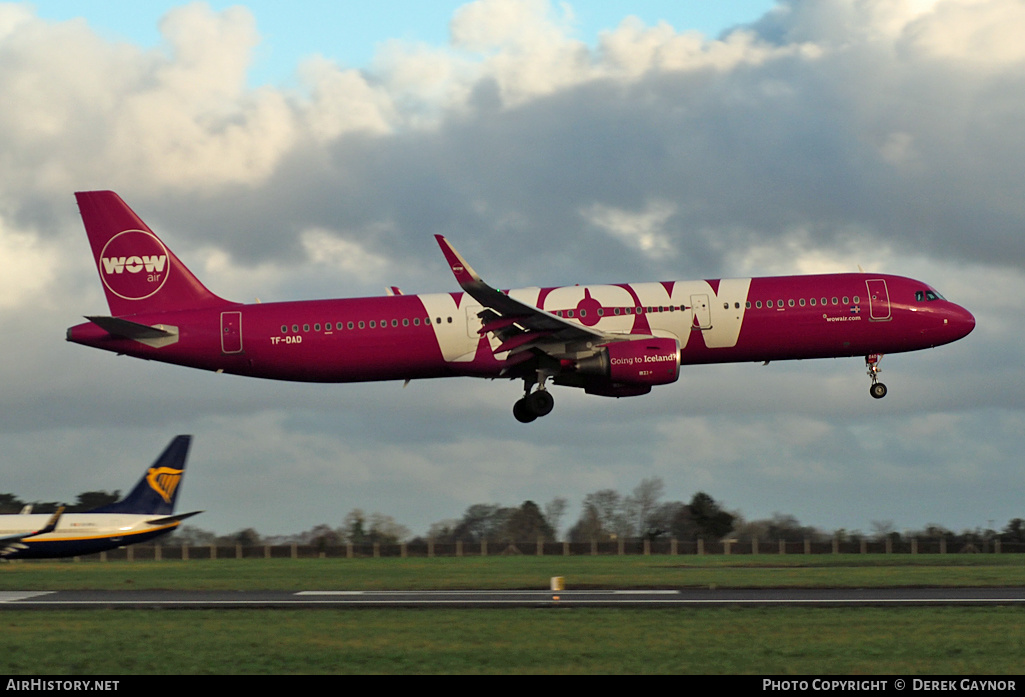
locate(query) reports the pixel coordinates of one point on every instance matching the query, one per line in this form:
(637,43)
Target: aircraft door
(702,312)
(878,300)
(231,332)
(473,323)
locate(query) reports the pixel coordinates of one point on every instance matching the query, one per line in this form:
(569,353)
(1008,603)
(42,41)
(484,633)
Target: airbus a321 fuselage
(613,340)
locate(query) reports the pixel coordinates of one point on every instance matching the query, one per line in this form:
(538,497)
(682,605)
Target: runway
(906,597)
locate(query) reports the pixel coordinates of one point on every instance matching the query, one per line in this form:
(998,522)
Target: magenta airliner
(613,340)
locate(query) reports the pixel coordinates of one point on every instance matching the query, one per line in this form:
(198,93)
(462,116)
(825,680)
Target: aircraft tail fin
(157,491)
(139,273)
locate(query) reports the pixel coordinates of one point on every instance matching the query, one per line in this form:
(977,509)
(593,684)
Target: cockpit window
(929,295)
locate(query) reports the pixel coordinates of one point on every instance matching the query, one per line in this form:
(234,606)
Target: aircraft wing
(12,543)
(518,325)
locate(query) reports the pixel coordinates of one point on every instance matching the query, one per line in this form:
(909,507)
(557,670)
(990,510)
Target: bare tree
(642,506)
(554,510)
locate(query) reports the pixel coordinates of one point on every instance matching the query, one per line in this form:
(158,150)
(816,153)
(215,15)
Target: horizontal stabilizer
(176,518)
(155,336)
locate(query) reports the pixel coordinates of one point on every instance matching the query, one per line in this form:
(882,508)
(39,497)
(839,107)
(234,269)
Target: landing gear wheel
(533,405)
(523,411)
(878,389)
(541,402)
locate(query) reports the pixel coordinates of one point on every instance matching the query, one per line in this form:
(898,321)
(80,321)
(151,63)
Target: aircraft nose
(959,322)
(964,321)
(948,323)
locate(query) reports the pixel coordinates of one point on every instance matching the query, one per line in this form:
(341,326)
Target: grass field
(525,572)
(824,641)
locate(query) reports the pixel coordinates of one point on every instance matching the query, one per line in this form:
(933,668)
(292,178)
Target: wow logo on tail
(133,265)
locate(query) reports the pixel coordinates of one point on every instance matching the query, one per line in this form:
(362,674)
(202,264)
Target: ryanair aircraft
(145,513)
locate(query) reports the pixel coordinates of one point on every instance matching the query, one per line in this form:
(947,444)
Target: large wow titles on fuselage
(613,340)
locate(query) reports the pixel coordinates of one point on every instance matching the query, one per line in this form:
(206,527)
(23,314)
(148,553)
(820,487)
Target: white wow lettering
(135,264)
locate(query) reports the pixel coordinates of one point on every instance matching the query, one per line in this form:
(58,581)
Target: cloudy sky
(316,154)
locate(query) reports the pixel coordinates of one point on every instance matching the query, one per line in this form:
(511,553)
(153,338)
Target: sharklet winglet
(464,273)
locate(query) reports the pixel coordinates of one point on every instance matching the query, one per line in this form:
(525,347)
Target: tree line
(606,515)
(86,501)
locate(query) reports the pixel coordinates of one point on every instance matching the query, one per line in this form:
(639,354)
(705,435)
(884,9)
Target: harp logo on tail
(133,264)
(164,481)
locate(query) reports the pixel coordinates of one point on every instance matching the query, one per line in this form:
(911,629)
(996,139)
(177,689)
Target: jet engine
(638,363)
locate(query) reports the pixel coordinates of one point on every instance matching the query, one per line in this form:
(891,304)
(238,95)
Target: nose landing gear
(877,389)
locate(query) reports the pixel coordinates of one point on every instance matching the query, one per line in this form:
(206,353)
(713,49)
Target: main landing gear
(533,404)
(877,389)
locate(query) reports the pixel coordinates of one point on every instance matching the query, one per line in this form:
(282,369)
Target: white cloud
(975,33)
(27,266)
(324,247)
(643,230)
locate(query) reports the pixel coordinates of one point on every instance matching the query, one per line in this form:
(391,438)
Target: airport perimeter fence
(540,548)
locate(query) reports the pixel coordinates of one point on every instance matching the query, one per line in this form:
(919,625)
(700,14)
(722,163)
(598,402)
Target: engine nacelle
(640,362)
